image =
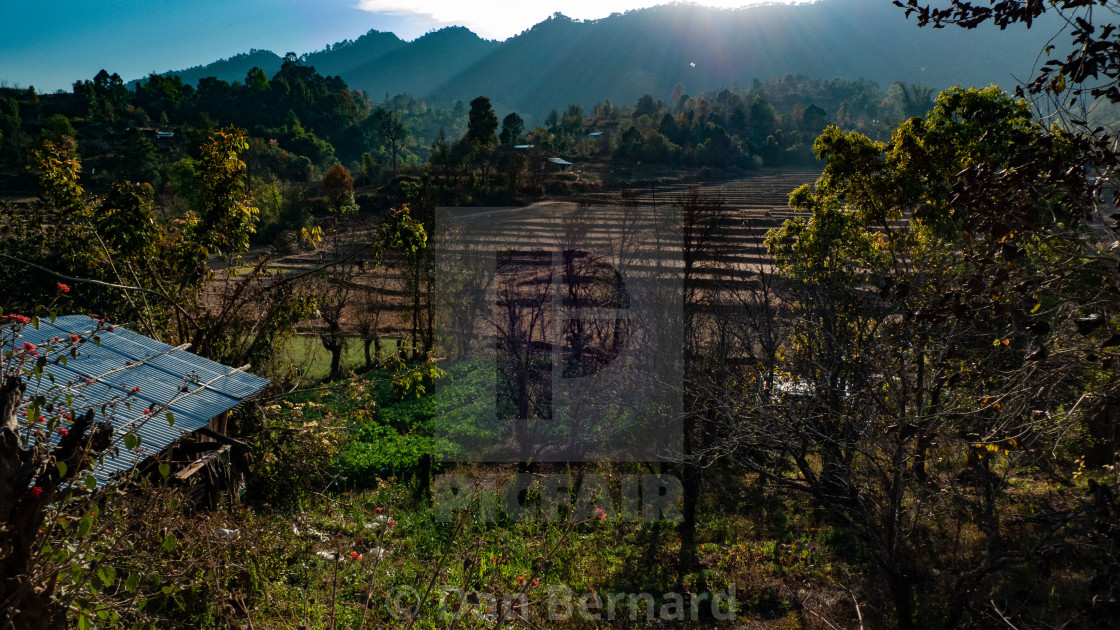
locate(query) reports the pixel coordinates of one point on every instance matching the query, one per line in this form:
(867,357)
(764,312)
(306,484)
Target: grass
(308,355)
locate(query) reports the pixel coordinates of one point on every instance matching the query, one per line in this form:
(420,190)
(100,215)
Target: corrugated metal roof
(102,374)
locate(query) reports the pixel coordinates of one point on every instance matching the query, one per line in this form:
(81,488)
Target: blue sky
(52,43)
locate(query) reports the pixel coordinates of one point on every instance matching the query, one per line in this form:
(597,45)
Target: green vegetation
(896,403)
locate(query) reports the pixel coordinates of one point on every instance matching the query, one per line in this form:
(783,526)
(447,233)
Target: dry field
(599,223)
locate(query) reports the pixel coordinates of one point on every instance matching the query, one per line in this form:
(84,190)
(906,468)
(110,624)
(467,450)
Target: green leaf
(91,482)
(108,575)
(132,583)
(85,525)
(35,322)
(83,623)
(164,470)
(170,419)
(131,441)
(169,542)
(61,469)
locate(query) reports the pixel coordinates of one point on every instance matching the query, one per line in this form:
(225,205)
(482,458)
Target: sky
(49,44)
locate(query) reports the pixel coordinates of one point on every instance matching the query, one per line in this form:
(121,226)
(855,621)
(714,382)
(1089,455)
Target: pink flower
(35,492)
(63,288)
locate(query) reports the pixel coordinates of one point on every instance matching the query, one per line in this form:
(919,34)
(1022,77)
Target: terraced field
(754,205)
(649,225)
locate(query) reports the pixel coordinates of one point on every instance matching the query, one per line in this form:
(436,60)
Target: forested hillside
(622,57)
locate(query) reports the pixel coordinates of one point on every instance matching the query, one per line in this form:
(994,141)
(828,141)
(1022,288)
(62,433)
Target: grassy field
(307,354)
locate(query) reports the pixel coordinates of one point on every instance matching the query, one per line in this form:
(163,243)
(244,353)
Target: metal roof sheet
(102,374)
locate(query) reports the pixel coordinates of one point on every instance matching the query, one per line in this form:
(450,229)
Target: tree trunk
(336,361)
(335,347)
(903,595)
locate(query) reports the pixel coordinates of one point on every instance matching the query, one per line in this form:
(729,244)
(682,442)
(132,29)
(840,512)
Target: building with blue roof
(124,377)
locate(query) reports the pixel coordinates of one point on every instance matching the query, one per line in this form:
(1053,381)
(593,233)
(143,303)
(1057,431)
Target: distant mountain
(562,61)
(233,69)
(418,68)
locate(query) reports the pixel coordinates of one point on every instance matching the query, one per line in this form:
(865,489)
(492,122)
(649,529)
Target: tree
(482,122)
(137,158)
(373,304)
(256,80)
(881,405)
(1093,50)
(393,130)
(513,130)
(338,187)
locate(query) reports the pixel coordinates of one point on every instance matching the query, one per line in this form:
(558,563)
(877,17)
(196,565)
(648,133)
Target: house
(557,164)
(117,366)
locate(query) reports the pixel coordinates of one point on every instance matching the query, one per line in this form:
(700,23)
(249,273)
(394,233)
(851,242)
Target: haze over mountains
(621,57)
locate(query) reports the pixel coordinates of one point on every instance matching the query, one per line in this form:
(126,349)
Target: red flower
(23,319)
(35,492)
(392,523)
(600,514)
(29,348)
(135,390)
(74,338)
(63,288)
(354,555)
(110,329)
(63,431)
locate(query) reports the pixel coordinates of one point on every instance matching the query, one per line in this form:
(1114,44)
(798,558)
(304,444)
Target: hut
(124,377)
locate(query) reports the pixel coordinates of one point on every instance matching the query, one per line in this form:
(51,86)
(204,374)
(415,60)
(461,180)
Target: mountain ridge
(562,61)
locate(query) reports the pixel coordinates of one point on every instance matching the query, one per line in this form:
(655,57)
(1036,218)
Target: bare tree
(371,310)
(523,327)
